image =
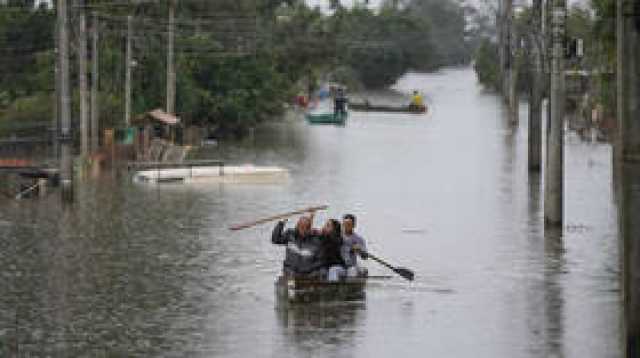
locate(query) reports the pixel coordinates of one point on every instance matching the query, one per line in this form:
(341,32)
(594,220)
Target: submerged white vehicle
(219,173)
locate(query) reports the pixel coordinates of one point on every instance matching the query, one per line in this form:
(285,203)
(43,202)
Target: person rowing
(303,248)
(353,245)
(311,253)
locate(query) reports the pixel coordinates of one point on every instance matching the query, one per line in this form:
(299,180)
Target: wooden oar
(404,272)
(277,217)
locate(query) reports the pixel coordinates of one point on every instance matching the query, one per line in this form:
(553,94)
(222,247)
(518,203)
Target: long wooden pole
(277,217)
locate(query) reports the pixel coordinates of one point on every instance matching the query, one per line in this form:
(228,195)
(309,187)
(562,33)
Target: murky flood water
(135,270)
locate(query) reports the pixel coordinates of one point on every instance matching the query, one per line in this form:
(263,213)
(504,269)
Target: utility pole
(512,76)
(627,155)
(505,52)
(535,95)
(628,75)
(621,88)
(554,174)
(95,112)
(82,79)
(66,169)
(171,71)
(501,45)
(128,59)
(56,103)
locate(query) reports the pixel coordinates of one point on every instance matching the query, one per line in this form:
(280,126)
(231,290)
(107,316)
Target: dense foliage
(237,61)
(487,64)
(595,27)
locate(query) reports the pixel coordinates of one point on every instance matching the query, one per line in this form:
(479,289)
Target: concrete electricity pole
(82,79)
(95,112)
(554,174)
(628,77)
(66,169)
(507,65)
(501,45)
(535,95)
(56,103)
(128,60)
(171,71)
(512,76)
(627,150)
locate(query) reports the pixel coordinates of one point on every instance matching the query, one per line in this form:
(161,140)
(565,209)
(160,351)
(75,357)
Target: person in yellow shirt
(416,100)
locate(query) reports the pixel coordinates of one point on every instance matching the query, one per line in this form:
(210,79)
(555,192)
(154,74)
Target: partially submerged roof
(163,117)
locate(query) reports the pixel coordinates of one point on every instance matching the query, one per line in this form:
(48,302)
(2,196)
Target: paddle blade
(405,273)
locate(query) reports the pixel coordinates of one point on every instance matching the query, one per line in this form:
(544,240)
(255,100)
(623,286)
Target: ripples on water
(132,270)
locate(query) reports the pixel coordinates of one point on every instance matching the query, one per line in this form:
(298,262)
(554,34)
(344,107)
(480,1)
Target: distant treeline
(237,61)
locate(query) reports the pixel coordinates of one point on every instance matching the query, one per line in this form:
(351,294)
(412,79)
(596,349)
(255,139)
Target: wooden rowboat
(295,290)
(367,107)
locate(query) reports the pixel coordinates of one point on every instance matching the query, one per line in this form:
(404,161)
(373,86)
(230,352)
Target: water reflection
(133,270)
(554,268)
(321,328)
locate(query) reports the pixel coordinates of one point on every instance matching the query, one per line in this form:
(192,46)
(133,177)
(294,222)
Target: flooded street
(135,270)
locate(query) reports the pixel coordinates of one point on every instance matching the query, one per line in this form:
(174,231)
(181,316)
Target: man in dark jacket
(304,248)
(340,103)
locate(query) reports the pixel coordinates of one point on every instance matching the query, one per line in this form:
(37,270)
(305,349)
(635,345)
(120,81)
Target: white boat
(219,174)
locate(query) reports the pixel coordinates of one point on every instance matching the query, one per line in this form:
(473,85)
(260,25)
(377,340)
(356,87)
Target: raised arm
(279,236)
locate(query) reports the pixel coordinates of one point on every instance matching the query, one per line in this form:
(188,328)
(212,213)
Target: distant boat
(327,117)
(368,107)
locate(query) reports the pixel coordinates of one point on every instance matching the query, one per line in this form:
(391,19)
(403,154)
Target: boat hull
(392,109)
(296,290)
(327,118)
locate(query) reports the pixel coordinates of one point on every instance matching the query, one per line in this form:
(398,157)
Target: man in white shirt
(353,245)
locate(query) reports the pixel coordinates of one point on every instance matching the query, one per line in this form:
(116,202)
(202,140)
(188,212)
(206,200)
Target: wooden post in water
(66,165)
(554,173)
